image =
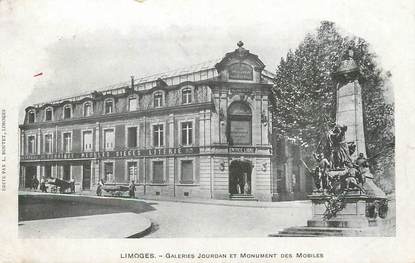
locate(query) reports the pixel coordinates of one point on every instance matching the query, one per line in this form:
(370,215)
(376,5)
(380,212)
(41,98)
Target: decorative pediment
(243,56)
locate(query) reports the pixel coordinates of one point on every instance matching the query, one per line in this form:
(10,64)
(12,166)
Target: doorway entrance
(30,174)
(86,176)
(240,177)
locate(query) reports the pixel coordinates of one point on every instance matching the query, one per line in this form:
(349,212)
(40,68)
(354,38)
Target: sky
(80,46)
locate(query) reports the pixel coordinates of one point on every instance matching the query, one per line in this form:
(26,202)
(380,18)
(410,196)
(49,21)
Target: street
(177,219)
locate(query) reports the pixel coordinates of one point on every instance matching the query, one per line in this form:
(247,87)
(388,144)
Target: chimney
(132,82)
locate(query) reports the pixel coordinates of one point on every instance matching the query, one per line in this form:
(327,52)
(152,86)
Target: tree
(303,100)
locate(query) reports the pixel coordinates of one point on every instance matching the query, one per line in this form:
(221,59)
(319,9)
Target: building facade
(201,132)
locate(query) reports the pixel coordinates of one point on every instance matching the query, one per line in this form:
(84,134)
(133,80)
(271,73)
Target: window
(187,133)
(158,175)
(31,144)
(87,141)
(158,135)
(109,140)
(109,106)
(158,99)
(31,116)
(109,173)
(67,142)
(187,172)
(48,114)
(87,109)
(186,96)
(132,173)
(132,104)
(132,137)
(48,143)
(239,124)
(67,112)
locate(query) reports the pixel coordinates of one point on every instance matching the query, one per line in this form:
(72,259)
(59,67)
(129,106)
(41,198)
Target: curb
(119,200)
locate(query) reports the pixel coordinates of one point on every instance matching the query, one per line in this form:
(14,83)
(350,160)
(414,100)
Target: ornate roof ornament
(348,68)
(240,54)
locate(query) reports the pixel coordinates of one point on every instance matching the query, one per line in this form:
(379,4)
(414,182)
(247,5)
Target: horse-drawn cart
(115,190)
(61,186)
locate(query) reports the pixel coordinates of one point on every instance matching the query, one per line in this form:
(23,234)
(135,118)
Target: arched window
(32,116)
(88,111)
(67,112)
(239,124)
(109,106)
(49,114)
(187,95)
(158,99)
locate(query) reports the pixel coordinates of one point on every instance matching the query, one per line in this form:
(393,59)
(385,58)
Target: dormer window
(87,109)
(109,106)
(187,95)
(32,117)
(48,114)
(132,104)
(67,112)
(158,99)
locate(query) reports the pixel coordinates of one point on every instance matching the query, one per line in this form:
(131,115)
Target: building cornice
(123,115)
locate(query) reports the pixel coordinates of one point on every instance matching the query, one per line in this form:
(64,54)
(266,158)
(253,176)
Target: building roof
(197,72)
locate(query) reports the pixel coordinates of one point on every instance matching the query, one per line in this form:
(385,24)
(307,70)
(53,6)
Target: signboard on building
(242,149)
(240,71)
(113,154)
(240,132)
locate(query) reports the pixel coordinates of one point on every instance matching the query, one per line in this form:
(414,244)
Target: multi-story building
(199,132)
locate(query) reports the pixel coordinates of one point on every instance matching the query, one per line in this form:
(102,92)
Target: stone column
(264,125)
(349,103)
(223,101)
(55,140)
(208,128)
(38,172)
(171,131)
(202,128)
(170,161)
(38,141)
(97,137)
(256,120)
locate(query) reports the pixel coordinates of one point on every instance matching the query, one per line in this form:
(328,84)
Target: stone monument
(345,201)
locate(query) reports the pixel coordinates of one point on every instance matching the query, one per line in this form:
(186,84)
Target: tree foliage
(304,96)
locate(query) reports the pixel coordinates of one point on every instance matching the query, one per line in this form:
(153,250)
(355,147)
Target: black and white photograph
(244,126)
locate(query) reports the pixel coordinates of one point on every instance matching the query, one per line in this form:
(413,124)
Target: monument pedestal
(359,215)
(353,213)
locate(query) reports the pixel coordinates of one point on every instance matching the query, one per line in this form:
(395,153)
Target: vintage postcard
(206,131)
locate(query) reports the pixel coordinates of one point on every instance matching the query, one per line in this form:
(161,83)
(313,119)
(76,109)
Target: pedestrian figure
(43,185)
(99,188)
(35,183)
(247,188)
(131,189)
(72,185)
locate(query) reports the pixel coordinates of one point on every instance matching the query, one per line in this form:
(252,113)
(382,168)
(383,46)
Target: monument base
(359,216)
(355,212)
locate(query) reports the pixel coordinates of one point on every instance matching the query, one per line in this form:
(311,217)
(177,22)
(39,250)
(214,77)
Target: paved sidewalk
(119,225)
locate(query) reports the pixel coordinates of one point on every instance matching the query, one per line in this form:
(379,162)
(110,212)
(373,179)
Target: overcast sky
(81,46)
